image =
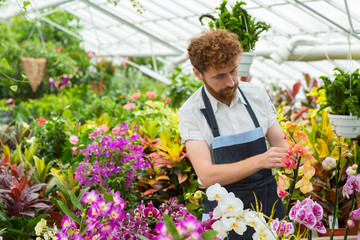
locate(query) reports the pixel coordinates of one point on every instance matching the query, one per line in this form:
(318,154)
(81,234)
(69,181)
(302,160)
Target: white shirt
(231,119)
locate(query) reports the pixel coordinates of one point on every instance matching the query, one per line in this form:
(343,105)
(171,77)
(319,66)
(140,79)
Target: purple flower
(320,228)
(62,235)
(355,215)
(67,223)
(352,184)
(150,211)
(104,207)
(90,197)
(308,213)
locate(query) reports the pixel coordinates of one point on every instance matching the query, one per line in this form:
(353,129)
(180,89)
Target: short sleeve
(189,129)
(270,108)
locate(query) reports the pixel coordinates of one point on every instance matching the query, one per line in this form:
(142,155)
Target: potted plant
(343,97)
(240,22)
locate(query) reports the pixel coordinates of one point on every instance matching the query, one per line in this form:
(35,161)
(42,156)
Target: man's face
(222,83)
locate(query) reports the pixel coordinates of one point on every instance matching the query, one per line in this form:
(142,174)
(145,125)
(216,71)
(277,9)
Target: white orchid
(232,204)
(236,223)
(220,228)
(255,219)
(216,192)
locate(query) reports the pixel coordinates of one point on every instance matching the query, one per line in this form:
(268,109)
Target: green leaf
(209,235)
(25,4)
(84,231)
(4,63)
(23,76)
(68,212)
(108,197)
(75,200)
(141,237)
(67,114)
(14,88)
(170,225)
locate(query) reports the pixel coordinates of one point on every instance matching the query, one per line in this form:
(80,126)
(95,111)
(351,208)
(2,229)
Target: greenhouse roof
(306,36)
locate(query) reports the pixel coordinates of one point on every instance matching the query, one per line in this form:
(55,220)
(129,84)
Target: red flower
(41,121)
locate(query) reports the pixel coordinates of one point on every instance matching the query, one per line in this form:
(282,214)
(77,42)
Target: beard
(223,95)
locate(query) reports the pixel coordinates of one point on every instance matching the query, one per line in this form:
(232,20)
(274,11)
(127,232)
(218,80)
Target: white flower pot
(346,125)
(244,63)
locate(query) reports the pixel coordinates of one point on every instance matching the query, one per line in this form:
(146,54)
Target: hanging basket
(35,70)
(346,125)
(244,63)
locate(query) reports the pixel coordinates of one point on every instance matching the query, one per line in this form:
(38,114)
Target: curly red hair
(214,49)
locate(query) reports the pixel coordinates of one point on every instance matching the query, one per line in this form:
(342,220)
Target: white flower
(235,223)
(255,220)
(31,140)
(231,205)
(217,213)
(216,192)
(219,227)
(264,233)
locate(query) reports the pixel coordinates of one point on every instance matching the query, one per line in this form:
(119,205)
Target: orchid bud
(198,194)
(350,171)
(350,223)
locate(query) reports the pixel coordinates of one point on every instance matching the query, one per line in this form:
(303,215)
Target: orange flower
(300,137)
(283,181)
(288,162)
(281,192)
(300,150)
(305,185)
(292,127)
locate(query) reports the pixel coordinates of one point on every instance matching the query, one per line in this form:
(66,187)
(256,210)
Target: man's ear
(198,74)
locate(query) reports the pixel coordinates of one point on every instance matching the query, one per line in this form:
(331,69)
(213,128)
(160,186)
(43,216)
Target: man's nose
(229,80)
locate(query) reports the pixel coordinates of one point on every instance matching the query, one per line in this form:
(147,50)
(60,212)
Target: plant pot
(35,70)
(244,63)
(346,125)
(341,231)
(98,87)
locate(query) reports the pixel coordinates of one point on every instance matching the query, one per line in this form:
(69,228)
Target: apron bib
(237,147)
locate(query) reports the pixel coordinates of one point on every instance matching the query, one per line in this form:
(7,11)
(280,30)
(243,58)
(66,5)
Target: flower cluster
(352,184)
(41,229)
(297,150)
(309,213)
(105,218)
(149,94)
(115,152)
(188,228)
(232,216)
(282,228)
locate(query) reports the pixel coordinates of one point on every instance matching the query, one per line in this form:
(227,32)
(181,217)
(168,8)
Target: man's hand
(272,158)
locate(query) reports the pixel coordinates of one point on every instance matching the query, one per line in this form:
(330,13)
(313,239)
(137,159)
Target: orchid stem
(293,186)
(352,201)
(336,193)
(309,235)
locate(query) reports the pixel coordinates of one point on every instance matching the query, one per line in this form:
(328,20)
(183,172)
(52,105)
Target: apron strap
(209,114)
(250,110)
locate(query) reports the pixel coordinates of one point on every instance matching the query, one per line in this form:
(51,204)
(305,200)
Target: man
(224,125)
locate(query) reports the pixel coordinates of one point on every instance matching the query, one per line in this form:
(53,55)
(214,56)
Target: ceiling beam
(139,29)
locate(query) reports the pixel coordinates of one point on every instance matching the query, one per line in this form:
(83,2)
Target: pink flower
(355,215)
(129,105)
(168,100)
(90,54)
(74,151)
(115,130)
(73,139)
(151,94)
(135,96)
(163,96)
(41,121)
(104,128)
(124,63)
